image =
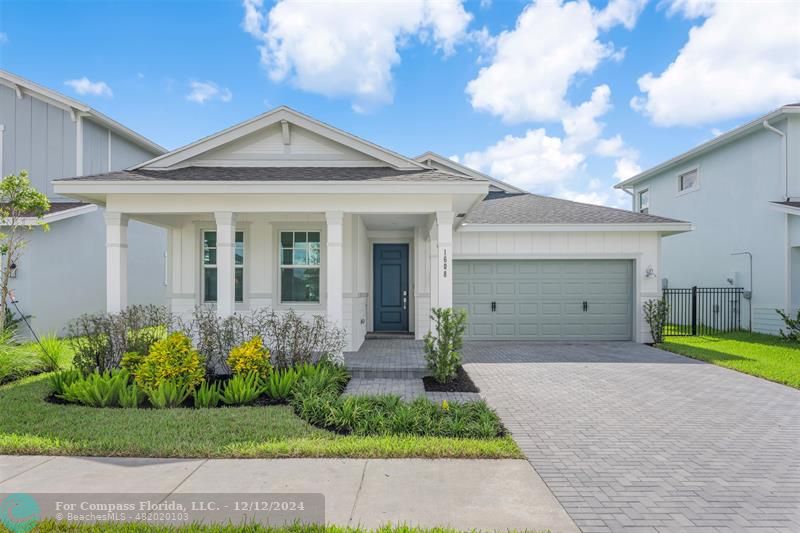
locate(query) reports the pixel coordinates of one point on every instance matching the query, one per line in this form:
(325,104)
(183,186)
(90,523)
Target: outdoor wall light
(649,272)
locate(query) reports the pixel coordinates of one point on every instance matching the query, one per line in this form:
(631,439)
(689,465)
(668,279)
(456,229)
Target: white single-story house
(284,211)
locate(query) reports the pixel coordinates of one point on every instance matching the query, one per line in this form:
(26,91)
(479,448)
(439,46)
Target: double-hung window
(210,266)
(299,266)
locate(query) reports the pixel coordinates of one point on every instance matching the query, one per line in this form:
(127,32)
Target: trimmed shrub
(250,356)
(656,312)
(172,359)
(443,349)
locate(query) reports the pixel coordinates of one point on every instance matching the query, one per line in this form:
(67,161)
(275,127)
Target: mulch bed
(462,383)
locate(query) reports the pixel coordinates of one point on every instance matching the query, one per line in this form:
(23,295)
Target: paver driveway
(631,438)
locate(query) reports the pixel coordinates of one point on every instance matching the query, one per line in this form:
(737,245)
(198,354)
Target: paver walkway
(464,494)
(631,438)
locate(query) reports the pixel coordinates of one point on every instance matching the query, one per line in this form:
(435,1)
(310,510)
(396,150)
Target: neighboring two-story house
(62,271)
(741,191)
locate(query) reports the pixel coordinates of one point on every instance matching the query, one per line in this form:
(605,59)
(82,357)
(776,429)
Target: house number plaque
(444,264)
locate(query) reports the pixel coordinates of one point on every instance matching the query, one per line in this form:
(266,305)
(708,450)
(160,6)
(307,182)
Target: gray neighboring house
(62,272)
(741,190)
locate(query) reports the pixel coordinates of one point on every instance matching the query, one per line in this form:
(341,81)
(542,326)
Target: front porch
(329,263)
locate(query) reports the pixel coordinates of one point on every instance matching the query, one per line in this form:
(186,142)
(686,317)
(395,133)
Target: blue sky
(495,83)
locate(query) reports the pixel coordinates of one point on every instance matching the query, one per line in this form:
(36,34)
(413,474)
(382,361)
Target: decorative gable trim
(287,119)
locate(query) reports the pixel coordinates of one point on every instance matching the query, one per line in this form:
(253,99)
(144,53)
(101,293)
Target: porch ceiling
(384,222)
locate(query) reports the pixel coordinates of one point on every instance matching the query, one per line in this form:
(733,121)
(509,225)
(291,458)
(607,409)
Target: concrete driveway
(631,438)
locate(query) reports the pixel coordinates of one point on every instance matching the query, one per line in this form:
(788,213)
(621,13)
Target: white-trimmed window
(299,266)
(688,181)
(644,201)
(210,266)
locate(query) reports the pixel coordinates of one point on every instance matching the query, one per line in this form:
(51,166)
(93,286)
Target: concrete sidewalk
(464,494)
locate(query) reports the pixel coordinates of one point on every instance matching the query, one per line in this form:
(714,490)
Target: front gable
(284,144)
(282,138)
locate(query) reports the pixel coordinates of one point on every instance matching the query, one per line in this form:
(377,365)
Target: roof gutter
(784,162)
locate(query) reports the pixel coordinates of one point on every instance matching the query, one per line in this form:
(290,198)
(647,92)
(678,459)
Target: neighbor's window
(300,266)
(210,266)
(687,181)
(644,201)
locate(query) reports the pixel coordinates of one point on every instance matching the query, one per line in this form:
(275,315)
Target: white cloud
(625,12)
(535,161)
(548,164)
(742,59)
(204,91)
(580,123)
(626,167)
(84,86)
(349,48)
(3,37)
(535,63)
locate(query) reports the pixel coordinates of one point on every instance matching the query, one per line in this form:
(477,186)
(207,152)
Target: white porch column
(335,267)
(226,239)
(116,261)
(444,258)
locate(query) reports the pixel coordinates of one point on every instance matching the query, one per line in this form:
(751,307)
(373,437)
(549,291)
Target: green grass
(30,425)
(50,526)
(757,354)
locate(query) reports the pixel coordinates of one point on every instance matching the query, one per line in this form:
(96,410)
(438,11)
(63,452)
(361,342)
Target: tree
(21,208)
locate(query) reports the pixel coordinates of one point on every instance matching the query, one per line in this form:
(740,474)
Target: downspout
(784,163)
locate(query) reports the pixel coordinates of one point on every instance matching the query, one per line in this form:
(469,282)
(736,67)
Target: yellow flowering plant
(171,359)
(250,356)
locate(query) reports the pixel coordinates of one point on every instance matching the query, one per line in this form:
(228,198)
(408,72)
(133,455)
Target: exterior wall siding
(62,272)
(731,213)
(643,248)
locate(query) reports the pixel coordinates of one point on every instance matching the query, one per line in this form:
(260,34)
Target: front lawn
(757,354)
(30,425)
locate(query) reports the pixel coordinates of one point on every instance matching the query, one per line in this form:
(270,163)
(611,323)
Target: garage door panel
(543,299)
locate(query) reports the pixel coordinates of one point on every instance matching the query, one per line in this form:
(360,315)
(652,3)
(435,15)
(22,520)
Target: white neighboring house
(62,272)
(284,211)
(741,190)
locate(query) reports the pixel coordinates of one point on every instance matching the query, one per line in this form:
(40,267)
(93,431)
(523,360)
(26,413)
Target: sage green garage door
(545,300)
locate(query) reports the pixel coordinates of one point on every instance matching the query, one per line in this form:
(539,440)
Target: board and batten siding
(644,248)
(61,274)
(37,137)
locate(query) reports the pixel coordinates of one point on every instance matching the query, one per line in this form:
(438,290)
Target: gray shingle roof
(278,174)
(505,208)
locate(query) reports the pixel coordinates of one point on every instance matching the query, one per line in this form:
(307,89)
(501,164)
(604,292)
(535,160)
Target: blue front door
(390,287)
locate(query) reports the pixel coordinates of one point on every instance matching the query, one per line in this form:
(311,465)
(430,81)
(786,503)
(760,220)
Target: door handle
(494,307)
(585,306)
(405,300)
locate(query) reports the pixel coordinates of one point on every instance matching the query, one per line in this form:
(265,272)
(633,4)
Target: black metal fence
(703,310)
